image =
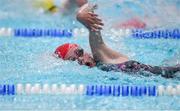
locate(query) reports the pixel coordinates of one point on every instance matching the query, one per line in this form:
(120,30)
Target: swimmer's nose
(81,61)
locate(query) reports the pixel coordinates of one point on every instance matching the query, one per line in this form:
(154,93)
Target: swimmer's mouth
(86,63)
(55,55)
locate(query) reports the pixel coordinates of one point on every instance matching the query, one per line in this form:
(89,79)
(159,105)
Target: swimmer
(104,57)
(45,6)
(63,6)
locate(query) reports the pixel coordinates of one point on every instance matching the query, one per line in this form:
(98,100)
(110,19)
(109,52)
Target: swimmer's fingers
(92,14)
(94,17)
(91,21)
(98,21)
(96,27)
(95,21)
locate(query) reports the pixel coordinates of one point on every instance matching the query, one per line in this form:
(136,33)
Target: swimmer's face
(83,58)
(87,60)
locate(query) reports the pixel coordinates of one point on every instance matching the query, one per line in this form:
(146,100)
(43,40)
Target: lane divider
(42,32)
(134,33)
(156,34)
(6,32)
(111,32)
(49,89)
(32,32)
(89,90)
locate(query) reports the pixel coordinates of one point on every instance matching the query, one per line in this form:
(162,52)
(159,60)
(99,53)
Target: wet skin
(82,57)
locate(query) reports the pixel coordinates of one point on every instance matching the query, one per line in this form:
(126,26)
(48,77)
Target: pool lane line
(42,32)
(54,32)
(156,34)
(89,90)
(7,32)
(37,32)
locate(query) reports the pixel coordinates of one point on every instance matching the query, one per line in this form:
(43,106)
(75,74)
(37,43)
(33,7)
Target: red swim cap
(62,50)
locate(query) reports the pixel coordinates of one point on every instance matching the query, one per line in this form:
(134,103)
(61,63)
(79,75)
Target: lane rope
(32,32)
(134,33)
(89,90)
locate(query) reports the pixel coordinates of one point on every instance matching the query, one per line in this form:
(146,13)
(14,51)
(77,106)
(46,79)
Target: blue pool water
(29,60)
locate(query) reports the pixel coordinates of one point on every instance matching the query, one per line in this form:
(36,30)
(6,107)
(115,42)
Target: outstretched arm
(100,51)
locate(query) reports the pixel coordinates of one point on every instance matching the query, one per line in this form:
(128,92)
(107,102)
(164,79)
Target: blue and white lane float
(134,33)
(35,32)
(88,90)
(8,32)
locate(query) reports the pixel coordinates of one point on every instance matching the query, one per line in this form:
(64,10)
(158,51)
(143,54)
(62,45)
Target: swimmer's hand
(89,19)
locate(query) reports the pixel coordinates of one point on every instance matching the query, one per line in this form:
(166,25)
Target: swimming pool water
(29,60)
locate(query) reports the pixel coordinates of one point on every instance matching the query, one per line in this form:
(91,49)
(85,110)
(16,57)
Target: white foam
(121,33)
(76,32)
(82,30)
(41,10)
(128,32)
